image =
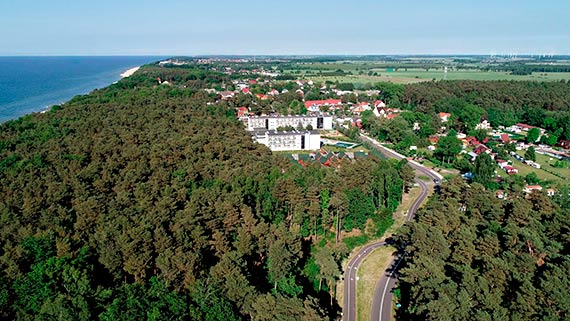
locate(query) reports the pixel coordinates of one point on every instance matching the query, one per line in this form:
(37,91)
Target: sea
(33,84)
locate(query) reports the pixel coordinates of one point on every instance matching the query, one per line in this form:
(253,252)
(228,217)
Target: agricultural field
(404,72)
(413,76)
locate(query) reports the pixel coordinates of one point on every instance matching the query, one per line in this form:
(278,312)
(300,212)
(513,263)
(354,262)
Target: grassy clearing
(369,272)
(543,175)
(546,163)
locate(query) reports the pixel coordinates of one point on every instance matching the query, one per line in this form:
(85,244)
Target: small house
(531,188)
(510,170)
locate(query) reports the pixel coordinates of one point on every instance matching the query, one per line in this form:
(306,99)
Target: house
(526,128)
(502,163)
(252,81)
(227,94)
(444,117)
(262,96)
(363,106)
(246,91)
(471,141)
(316,105)
(300,92)
(379,104)
(357,123)
(273,92)
(434,139)
(531,188)
(551,192)
(431,148)
(483,125)
(501,194)
(302,83)
(391,116)
(242,112)
(472,155)
(564,144)
(505,138)
(510,170)
(481,149)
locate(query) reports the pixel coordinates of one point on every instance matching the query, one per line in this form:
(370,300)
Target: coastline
(49,105)
(129,72)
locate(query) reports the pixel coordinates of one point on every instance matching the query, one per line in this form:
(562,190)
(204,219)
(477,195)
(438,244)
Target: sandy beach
(129,72)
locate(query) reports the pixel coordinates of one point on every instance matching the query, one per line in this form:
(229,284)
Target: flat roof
(292,116)
(284,133)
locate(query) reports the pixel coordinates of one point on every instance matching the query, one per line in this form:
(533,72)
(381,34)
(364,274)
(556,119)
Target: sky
(292,27)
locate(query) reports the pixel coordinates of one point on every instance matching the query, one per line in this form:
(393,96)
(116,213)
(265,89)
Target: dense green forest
(471,256)
(151,202)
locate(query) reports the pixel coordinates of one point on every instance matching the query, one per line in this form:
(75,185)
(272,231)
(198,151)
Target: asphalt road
(382,303)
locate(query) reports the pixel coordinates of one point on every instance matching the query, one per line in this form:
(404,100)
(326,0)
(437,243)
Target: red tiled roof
(310,103)
(524,125)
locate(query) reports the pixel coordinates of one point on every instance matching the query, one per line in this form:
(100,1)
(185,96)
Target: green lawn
(545,163)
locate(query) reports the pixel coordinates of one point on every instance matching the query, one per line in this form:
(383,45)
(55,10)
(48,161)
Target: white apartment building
(274,122)
(289,140)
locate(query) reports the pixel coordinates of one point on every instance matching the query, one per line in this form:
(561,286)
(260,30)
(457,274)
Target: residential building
(274,122)
(550,192)
(564,144)
(316,105)
(526,128)
(482,149)
(483,125)
(242,112)
(289,140)
(531,188)
(510,170)
(227,94)
(444,117)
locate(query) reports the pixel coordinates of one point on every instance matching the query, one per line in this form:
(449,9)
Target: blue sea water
(32,84)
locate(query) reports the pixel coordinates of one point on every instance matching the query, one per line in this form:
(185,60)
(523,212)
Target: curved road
(382,302)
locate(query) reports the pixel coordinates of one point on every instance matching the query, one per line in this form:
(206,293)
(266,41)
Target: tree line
(150,202)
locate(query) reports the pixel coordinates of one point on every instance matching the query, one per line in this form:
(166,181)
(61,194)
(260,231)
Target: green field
(474,75)
(411,76)
(402,74)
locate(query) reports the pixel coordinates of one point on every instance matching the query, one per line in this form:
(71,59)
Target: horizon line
(295,55)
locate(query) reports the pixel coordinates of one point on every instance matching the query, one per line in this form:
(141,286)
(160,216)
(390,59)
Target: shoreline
(130,72)
(45,109)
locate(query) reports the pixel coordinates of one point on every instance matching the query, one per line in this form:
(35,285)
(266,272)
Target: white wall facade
(293,140)
(274,122)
